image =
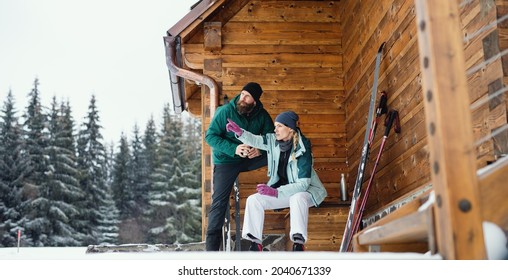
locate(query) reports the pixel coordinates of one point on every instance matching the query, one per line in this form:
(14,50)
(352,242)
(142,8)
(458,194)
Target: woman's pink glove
(264,189)
(232,126)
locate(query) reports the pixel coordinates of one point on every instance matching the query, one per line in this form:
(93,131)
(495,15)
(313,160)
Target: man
(230,156)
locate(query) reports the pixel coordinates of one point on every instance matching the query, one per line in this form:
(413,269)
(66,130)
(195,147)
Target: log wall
(317,58)
(293,50)
(404,164)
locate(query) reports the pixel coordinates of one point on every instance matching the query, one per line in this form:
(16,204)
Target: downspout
(175,72)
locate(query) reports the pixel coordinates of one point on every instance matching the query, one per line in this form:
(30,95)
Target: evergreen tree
(13,169)
(140,170)
(151,144)
(189,194)
(58,203)
(185,184)
(92,168)
(162,197)
(110,159)
(37,142)
(150,152)
(108,221)
(122,188)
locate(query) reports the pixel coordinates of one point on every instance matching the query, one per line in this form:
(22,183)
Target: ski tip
(380,50)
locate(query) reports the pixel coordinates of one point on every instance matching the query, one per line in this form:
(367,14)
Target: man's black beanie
(254,89)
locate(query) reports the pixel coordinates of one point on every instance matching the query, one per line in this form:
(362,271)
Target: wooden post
(457,210)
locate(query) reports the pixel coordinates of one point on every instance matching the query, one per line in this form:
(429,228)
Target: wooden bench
(325,227)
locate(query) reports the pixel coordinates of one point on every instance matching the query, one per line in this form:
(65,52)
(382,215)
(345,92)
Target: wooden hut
(443,69)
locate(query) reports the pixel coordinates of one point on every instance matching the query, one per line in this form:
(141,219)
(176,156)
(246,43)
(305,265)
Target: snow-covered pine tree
(184,184)
(151,143)
(110,159)
(62,187)
(108,222)
(141,168)
(150,140)
(162,197)
(13,168)
(98,214)
(35,130)
(122,180)
(189,195)
(132,228)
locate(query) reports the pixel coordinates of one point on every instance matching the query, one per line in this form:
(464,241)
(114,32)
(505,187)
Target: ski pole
(226,229)
(237,216)
(381,110)
(392,118)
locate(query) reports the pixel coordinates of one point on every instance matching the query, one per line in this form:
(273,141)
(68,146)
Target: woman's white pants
(254,217)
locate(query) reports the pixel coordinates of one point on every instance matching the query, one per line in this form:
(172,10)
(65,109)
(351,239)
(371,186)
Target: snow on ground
(73,263)
(79,253)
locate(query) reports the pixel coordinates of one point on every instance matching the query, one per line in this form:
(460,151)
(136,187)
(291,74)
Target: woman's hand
(264,189)
(232,126)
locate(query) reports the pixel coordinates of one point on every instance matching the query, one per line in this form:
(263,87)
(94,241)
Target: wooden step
(494,192)
(408,229)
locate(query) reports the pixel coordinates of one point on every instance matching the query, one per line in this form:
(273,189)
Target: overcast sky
(111,49)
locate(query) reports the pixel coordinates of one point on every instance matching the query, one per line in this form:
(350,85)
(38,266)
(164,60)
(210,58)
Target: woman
(293,181)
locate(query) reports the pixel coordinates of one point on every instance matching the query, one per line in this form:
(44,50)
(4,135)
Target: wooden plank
(212,38)
(380,23)
(273,33)
(232,49)
(195,60)
(325,228)
(494,192)
(459,230)
(414,227)
(368,24)
(393,218)
(287,78)
(289,11)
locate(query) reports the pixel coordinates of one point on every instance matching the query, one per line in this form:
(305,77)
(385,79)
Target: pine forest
(61,185)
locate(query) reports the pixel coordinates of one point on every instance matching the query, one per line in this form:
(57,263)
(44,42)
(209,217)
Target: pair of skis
(392,119)
(355,213)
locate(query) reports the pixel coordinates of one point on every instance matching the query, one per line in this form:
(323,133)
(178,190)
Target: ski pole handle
(382,108)
(391,119)
(396,122)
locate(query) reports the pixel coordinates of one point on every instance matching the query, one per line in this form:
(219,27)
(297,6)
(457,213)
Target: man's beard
(243,108)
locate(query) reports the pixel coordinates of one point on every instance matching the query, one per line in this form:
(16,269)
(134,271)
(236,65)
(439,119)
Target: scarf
(285,145)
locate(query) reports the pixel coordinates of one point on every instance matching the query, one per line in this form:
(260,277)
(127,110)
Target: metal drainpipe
(175,71)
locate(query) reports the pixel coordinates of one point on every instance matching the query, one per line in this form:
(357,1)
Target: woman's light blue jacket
(301,174)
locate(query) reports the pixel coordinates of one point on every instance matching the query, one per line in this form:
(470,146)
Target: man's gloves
(264,189)
(232,126)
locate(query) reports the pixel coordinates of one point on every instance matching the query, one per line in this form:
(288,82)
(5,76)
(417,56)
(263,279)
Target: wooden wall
(404,166)
(317,58)
(501,141)
(404,163)
(293,49)
(485,82)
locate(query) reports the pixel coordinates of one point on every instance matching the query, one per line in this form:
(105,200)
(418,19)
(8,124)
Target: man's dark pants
(224,176)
